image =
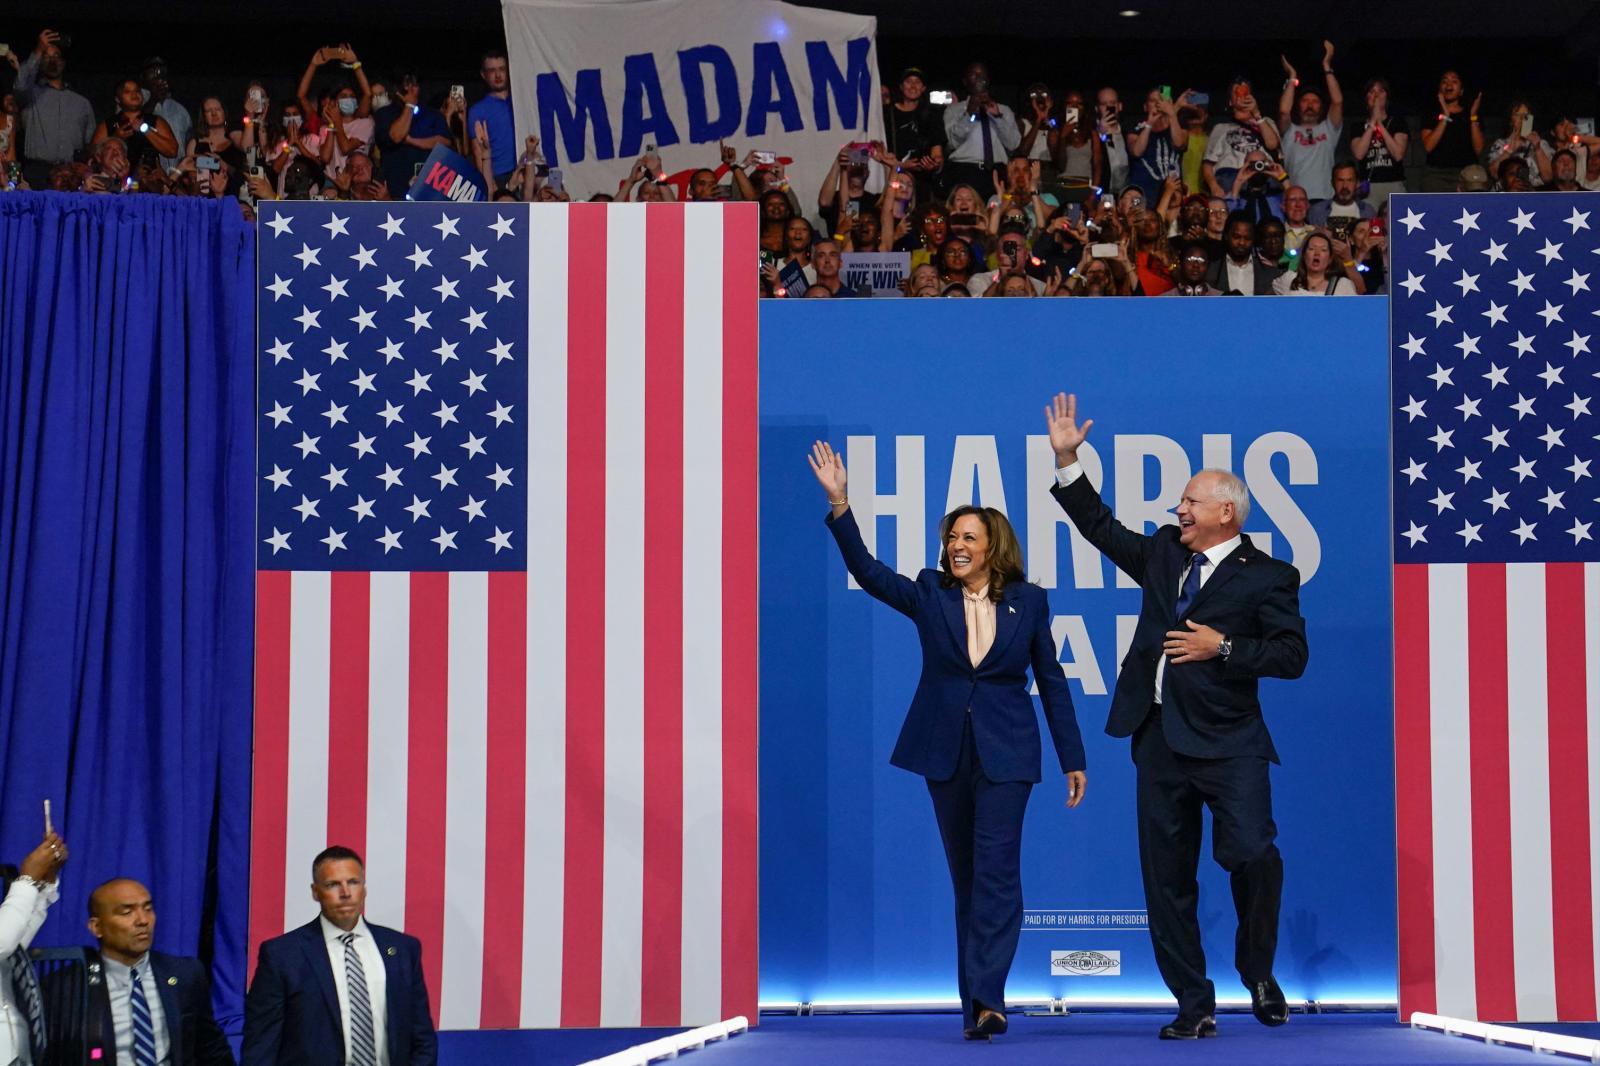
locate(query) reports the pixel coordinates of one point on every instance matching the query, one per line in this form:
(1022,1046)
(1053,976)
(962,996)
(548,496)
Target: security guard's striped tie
(363,1051)
(144,1034)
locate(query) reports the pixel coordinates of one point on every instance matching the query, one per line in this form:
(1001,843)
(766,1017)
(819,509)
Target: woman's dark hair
(1300,269)
(1005,554)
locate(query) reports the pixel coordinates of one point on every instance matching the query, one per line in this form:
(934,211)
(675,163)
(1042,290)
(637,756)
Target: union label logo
(1086,963)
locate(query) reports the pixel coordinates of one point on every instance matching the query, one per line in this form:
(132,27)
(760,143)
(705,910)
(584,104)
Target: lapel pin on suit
(389,951)
(1011,609)
(172,980)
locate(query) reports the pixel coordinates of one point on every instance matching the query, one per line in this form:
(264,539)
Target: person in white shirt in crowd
(980,133)
(1108,124)
(1234,138)
(1318,272)
(1038,118)
(1311,130)
(1380,147)
(28,900)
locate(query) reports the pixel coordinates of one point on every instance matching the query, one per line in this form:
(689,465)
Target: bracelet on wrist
(845,502)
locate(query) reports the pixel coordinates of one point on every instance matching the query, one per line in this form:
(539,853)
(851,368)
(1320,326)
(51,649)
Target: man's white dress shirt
(1066,475)
(377,981)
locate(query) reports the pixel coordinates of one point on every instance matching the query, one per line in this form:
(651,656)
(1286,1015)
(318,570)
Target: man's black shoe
(990,1023)
(1267,1002)
(1186,1028)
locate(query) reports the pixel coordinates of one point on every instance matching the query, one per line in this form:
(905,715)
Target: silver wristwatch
(1225,649)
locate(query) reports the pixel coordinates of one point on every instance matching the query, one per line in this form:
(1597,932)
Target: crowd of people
(1068,194)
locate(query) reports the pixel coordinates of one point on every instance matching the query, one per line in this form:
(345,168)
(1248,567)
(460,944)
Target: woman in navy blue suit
(971,730)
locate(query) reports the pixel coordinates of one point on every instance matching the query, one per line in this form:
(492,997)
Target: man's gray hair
(1233,490)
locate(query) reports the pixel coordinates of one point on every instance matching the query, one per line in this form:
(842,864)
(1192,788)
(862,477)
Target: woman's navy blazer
(995,692)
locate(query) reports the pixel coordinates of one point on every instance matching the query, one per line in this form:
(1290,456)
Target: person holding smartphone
(1157,145)
(1522,140)
(971,731)
(28,896)
(139,130)
(981,133)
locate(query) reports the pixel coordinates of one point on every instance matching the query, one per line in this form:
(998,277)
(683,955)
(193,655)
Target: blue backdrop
(937,403)
(126,482)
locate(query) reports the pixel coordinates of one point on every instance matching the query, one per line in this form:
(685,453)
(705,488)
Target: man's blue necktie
(144,1032)
(1191,585)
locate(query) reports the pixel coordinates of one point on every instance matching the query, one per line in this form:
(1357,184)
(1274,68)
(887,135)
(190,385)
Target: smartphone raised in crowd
(555,179)
(1527,124)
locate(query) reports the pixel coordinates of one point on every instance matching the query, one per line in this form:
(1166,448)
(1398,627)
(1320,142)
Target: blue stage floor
(935,1039)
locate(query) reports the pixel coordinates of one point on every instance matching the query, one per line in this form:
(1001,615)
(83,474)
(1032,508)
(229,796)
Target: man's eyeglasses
(1216,210)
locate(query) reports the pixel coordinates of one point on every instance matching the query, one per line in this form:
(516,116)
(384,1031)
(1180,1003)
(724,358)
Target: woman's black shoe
(990,1023)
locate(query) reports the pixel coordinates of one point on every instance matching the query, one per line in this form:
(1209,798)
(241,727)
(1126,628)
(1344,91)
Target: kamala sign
(601,82)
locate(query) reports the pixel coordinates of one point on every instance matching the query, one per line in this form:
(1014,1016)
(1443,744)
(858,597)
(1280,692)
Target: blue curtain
(126,559)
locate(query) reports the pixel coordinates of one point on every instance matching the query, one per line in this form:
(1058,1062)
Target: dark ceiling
(1058,19)
(1545,49)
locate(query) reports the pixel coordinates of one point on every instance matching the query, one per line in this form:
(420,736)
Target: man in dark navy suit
(338,990)
(1218,615)
(145,1007)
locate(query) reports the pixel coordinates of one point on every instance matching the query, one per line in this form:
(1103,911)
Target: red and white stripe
(1497,748)
(552,774)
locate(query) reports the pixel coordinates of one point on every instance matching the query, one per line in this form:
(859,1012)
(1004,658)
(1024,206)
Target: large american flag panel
(506,616)
(1495,326)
